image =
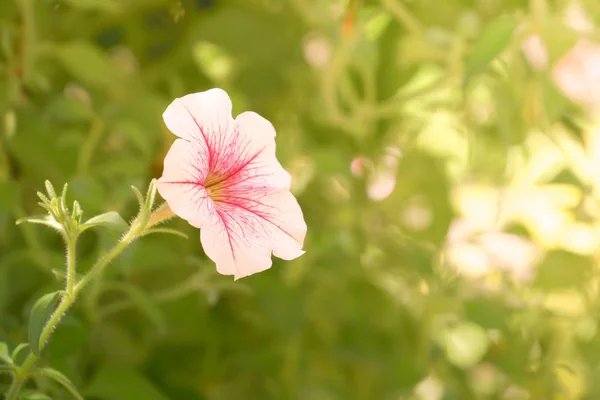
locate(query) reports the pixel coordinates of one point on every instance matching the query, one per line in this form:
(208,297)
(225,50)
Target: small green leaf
(167,230)
(41,311)
(41,219)
(110,219)
(489,45)
(151,195)
(4,357)
(60,378)
(16,354)
(50,189)
(139,196)
(63,195)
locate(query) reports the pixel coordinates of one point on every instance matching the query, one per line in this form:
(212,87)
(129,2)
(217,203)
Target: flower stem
(15,388)
(68,300)
(129,237)
(71,262)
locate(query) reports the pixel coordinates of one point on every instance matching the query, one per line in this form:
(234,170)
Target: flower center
(214,186)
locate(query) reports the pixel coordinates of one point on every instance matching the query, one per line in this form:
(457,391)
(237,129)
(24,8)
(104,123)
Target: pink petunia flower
(223,177)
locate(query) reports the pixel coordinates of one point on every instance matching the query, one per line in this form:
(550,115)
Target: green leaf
(122,384)
(41,219)
(4,357)
(60,378)
(561,270)
(88,64)
(16,354)
(139,196)
(167,230)
(41,311)
(10,195)
(111,219)
(489,45)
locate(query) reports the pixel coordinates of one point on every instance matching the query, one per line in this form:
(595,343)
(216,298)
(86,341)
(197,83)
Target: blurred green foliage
(446,162)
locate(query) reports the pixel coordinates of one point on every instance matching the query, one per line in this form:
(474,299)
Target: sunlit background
(446,154)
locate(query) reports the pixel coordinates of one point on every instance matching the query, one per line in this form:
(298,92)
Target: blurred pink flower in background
(476,253)
(577,75)
(383,178)
(223,177)
(535,52)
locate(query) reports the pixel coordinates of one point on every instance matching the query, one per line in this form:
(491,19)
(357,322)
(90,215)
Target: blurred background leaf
(453,229)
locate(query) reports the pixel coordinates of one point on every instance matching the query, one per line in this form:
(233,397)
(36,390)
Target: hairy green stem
(68,300)
(71,262)
(106,259)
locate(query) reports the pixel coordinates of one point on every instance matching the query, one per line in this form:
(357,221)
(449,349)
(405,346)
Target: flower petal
(181,184)
(202,116)
(246,227)
(252,161)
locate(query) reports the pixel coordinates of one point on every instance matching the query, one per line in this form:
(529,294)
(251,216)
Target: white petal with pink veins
(253,162)
(204,116)
(224,178)
(182,182)
(247,226)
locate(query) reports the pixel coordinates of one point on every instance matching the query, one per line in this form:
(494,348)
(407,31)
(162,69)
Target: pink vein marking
(228,235)
(241,167)
(250,211)
(201,133)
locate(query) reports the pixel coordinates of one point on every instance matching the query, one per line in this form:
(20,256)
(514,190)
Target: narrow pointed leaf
(60,378)
(4,357)
(41,219)
(63,195)
(43,197)
(167,230)
(18,353)
(50,189)
(40,313)
(151,195)
(139,196)
(110,219)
